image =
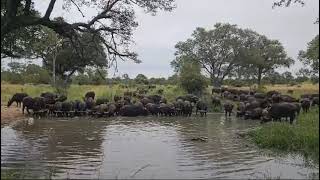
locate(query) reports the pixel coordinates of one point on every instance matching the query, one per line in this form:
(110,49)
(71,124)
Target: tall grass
(78,91)
(302,137)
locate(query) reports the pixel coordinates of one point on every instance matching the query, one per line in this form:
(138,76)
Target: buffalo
(202,107)
(187,108)
(90,94)
(153,109)
(281,110)
(133,111)
(18,98)
(27,103)
(305,104)
(228,107)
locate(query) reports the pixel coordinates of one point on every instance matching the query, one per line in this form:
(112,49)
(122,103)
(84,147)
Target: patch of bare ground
(11,114)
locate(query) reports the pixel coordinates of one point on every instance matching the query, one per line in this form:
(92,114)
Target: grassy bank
(303,137)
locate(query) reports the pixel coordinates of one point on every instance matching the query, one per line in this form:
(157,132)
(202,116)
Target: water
(143,147)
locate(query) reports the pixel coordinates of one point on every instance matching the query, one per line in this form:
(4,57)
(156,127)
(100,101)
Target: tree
(69,61)
(190,77)
(287,3)
(288,76)
(217,51)
(113,24)
(273,77)
(173,79)
(16,67)
(265,55)
(141,79)
(310,58)
(126,78)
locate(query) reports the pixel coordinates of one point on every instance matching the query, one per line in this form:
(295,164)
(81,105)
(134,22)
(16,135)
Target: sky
(156,36)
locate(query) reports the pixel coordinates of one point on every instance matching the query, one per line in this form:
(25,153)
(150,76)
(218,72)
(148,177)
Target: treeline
(18,73)
(228,55)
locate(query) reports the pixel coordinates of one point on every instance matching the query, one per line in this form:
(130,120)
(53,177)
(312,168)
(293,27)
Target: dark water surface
(143,147)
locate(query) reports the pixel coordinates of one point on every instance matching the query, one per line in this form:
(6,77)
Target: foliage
(303,137)
(113,25)
(310,58)
(141,79)
(190,77)
(228,51)
(20,73)
(217,51)
(264,55)
(69,60)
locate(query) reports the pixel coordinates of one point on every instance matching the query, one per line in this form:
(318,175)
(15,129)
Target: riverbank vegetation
(302,137)
(169,91)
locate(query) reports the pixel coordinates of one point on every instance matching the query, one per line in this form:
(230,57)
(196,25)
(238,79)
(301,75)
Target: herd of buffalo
(264,106)
(56,105)
(250,105)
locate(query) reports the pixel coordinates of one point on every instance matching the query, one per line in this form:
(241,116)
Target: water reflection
(143,147)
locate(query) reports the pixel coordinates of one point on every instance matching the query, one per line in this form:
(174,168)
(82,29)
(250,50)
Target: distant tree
(126,78)
(16,67)
(301,79)
(141,79)
(68,60)
(288,77)
(36,74)
(310,58)
(273,78)
(265,55)
(217,51)
(190,77)
(173,79)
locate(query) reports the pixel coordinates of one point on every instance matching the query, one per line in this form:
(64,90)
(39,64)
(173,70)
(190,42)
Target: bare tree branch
(49,10)
(77,7)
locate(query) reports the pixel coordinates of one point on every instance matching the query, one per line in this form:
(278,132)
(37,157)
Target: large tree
(217,51)
(113,24)
(264,55)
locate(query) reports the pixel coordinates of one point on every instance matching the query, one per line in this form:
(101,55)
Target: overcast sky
(156,35)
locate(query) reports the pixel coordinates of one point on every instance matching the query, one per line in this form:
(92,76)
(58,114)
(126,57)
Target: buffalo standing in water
(133,111)
(228,107)
(202,107)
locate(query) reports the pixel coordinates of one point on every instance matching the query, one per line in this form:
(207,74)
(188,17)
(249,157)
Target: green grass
(302,137)
(13,174)
(78,91)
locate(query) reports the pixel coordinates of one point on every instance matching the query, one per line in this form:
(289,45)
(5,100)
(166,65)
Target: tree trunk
(259,76)
(215,82)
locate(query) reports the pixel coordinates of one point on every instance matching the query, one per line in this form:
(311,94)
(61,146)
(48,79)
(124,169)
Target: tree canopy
(310,58)
(228,51)
(113,24)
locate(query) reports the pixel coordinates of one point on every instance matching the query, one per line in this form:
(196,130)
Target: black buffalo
(228,107)
(202,107)
(90,94)
(18,98)
(281,110)
(133,111)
